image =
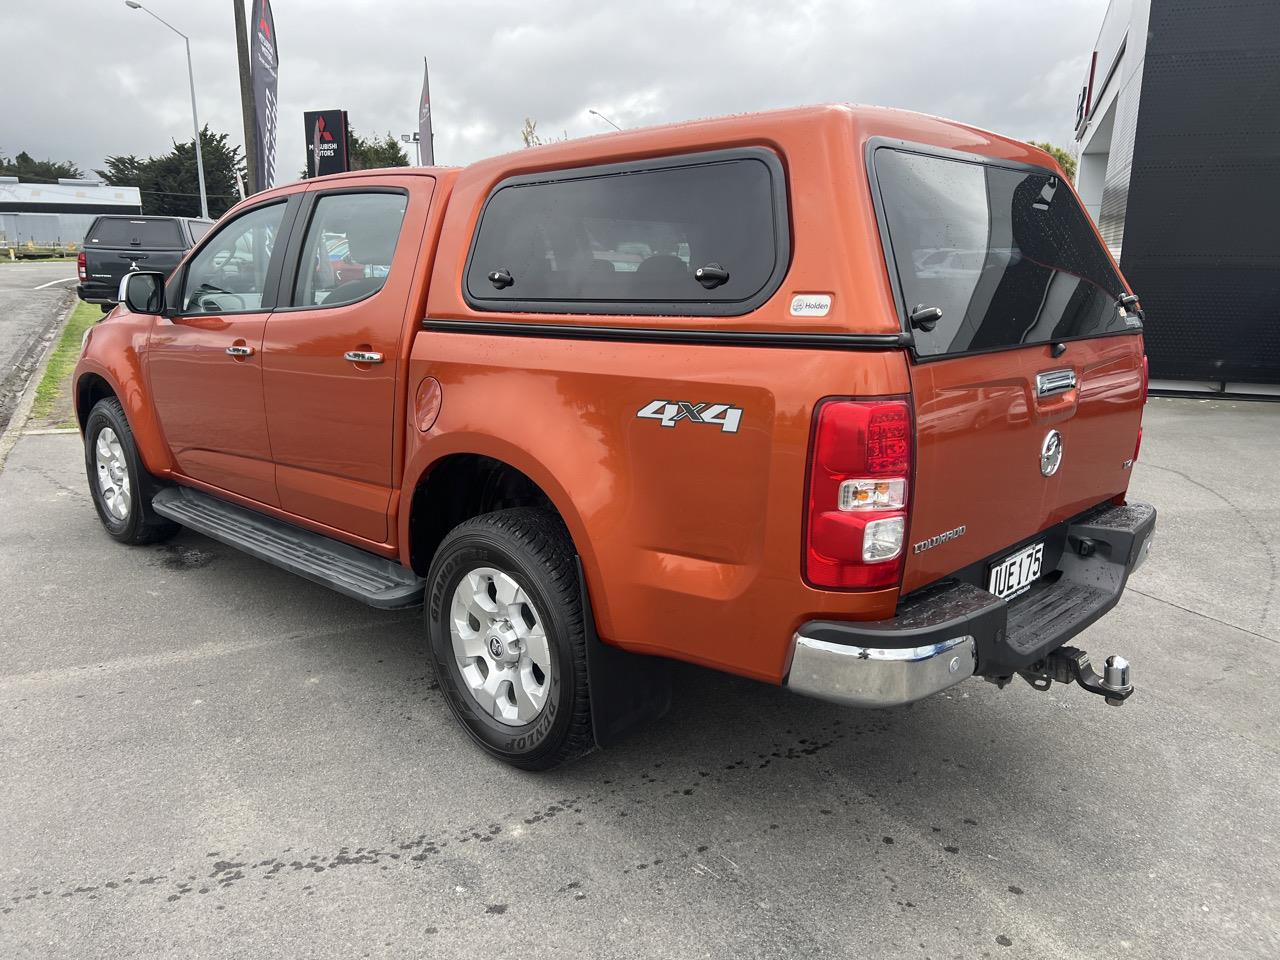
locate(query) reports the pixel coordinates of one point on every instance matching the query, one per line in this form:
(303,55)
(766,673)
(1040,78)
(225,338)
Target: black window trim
(271,284)
(293,253)
(671,308)
(890,261)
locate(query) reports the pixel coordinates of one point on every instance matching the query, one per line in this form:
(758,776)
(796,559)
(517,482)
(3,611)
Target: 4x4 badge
(670,413)
(1051,453)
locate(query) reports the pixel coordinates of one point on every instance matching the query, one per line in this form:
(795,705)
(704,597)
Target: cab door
(331,348)
(204,362)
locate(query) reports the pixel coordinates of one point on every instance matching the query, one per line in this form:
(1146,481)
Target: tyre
(120,485)
(505,632)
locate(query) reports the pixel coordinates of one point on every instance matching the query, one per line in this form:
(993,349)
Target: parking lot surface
(206,757)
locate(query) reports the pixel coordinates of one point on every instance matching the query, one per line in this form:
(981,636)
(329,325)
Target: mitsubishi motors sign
(326,132)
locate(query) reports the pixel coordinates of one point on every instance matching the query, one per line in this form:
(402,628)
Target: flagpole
(246,97)
(426,82)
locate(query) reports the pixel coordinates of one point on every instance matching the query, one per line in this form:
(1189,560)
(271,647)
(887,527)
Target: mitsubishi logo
(1051,453)
(321,132)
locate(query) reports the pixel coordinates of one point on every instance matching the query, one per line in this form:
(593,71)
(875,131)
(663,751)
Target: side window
(350,243)
(709,235)
(230,271)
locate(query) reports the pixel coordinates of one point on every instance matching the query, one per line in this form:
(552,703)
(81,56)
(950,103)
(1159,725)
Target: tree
(169,183)
(368,154)
(30,170)
(1065,160)
(529,134)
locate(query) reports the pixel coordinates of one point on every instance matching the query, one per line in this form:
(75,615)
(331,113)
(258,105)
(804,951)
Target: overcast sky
(91,78)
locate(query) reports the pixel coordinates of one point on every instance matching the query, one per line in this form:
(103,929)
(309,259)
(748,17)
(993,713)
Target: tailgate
(109,266)
(982,425)
(1028,390)
(117,245)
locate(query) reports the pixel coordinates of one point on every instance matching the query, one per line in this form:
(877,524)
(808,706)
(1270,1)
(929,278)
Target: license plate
(1016,572)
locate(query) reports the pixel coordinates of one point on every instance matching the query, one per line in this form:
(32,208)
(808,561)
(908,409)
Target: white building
(58,214)
(1107,116)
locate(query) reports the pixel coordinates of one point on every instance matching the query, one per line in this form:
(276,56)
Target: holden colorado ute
(839,398)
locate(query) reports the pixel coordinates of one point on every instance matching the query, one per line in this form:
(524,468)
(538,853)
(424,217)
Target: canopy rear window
(1006,253)
(143,234)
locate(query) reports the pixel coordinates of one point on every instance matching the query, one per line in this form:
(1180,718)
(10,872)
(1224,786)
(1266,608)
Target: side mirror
(142,291)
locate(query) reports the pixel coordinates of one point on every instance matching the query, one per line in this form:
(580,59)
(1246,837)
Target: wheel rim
(113,474)
(500,645)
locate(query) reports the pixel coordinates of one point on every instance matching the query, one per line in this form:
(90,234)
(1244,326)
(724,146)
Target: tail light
(859,482)
(80,268)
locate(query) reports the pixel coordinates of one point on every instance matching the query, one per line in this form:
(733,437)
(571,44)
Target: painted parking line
(52,282)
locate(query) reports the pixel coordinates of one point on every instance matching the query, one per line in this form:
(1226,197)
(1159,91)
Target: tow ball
(1071,665)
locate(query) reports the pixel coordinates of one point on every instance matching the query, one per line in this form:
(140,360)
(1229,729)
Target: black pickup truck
(115,245)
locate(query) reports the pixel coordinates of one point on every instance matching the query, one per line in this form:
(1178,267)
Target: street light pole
(416,139)
(195,120)
(605,119)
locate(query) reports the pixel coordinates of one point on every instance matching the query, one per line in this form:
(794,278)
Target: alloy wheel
(500,646)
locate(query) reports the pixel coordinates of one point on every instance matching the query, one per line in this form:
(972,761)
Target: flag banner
(424,119)
(326,142)
(265,70)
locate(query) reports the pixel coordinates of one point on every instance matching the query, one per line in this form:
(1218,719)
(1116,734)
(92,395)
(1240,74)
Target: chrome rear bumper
(878,676)
(948,632)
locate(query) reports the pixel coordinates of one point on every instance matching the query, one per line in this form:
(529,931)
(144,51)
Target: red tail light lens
(859,477)
(80,268)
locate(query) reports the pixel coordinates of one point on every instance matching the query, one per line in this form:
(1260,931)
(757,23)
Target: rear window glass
(628,238)
(1008,255)
(147,234)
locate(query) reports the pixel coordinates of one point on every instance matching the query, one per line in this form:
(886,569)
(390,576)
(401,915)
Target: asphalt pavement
(206,757)
(32,298)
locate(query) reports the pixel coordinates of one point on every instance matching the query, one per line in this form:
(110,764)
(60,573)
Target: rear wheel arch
(458,487)
(460,484)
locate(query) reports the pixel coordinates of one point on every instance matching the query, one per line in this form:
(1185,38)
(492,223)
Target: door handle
(238,351)
(1055,381)
(362,356)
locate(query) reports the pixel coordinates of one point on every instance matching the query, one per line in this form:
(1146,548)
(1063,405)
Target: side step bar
(349,570)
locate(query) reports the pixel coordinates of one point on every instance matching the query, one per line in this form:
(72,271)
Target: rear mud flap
(626,689)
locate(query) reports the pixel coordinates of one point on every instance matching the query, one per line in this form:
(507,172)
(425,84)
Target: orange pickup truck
(840,398)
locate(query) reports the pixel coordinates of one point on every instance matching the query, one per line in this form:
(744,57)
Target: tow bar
(1071,665)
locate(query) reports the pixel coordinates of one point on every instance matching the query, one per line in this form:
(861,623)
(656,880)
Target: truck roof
(764,127)
(770,128)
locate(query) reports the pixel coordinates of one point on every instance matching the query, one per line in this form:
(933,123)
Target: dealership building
(58,214)
(1178,128)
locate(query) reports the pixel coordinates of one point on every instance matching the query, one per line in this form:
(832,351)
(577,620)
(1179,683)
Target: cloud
(107,80)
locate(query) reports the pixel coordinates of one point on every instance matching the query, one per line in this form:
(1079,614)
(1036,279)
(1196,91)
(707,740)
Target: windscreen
(143,234)
(1007,254)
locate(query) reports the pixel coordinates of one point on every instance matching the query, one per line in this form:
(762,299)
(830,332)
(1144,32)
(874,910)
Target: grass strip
(56,380)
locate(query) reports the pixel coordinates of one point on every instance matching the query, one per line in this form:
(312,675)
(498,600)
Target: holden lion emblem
(1051,453)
